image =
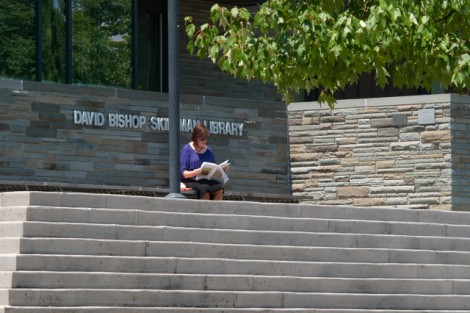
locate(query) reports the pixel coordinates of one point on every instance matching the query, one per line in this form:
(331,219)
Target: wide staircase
(78,252)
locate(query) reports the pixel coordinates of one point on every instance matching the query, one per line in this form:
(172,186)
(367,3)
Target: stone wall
(406,152)
(460,159)
(41,142)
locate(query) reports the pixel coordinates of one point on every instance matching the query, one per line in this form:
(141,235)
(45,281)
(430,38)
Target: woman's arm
(185,165)
(193,173)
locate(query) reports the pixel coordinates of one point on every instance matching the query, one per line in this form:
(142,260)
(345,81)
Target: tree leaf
(330,43)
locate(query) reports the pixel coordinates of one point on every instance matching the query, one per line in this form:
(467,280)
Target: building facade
(124,44)
(120,44)
(69,134)
(70,66)
(83,100)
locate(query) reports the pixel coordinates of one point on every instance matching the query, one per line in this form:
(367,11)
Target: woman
(192,155)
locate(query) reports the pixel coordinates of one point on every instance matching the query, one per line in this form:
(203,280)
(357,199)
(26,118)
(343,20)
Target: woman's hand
(197,172)
(193,173)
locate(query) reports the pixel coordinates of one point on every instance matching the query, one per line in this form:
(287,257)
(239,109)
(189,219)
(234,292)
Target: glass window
(53,40)
(152,47)
(101,39)
(17,39)
(101,42)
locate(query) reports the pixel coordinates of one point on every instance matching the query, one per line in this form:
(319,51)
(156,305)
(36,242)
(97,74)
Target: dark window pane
(101,42)
(17,39)
(152,60)
(53,40)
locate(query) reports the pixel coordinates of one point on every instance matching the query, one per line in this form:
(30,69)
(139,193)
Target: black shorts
(203,186)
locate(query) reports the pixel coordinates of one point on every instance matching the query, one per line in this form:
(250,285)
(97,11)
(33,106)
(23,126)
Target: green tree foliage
(53,41)
(17,44)
(102,42)
(329,44)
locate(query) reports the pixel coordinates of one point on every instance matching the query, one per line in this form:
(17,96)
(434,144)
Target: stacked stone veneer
(40,142)
(383,152)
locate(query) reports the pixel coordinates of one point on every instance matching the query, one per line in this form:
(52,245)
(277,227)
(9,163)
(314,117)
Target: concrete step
(246,222)
(8,262)
(239,251)
(108,201)
(75,309)
(103,280)
(10,214)
(231,299)
(70,252)
(5,279)
(170,265)
(285,253)
(136,239)
(9,245)
(4,296)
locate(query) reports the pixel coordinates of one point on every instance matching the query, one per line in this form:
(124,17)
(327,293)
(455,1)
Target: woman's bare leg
(218,195)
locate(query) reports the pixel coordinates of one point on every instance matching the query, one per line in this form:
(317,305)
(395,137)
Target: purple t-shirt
(190,159)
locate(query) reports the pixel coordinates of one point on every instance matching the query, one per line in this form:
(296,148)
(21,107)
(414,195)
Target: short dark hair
(199,131)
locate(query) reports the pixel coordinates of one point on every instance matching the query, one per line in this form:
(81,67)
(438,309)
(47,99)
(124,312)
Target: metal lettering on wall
(132,121)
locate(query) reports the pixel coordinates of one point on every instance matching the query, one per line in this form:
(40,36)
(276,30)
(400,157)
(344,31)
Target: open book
(214,171)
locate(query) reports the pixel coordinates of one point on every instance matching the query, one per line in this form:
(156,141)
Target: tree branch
(446,16)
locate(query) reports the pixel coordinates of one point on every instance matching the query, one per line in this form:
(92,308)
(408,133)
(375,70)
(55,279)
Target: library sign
(132,121)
